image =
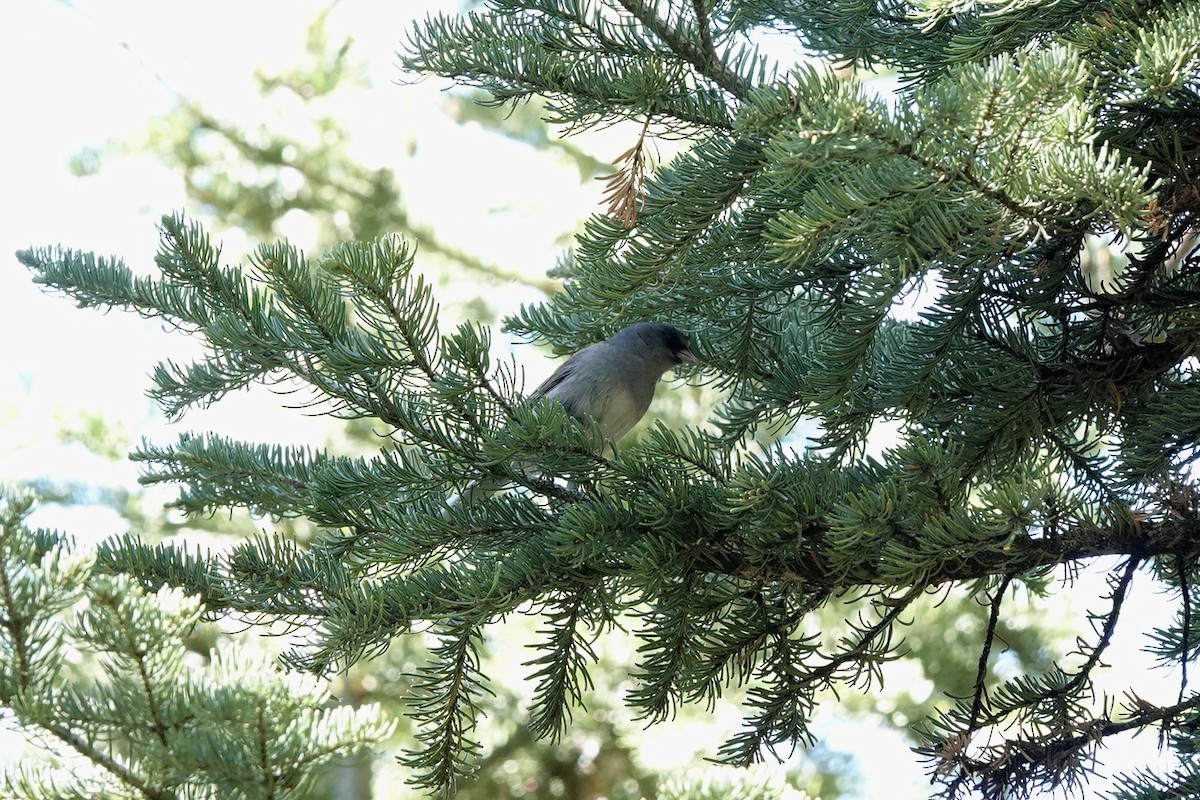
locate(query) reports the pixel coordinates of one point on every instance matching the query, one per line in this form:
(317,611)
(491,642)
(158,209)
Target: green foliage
(925,263)
(726,785)
(142,716)
(564,50)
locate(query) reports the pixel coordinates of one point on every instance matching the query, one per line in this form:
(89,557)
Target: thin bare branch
(986,651)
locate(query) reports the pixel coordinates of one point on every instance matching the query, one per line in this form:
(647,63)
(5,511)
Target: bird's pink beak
(688,357)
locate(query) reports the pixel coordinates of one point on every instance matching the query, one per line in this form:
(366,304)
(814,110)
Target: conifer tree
(158,721)
(1030,194)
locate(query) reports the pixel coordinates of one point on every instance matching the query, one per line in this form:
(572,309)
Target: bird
(611,382)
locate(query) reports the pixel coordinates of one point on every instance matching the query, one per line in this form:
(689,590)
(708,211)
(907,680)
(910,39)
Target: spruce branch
(1055,758)
(784,700)
(583,62)
(1023,554)
(1047,757)
(109,762)
(444,701)
(561,674)
(31,665)
(702,56)
(148,732)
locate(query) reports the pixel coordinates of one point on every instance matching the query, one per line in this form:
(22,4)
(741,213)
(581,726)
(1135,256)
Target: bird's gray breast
(613,388)
(621,410)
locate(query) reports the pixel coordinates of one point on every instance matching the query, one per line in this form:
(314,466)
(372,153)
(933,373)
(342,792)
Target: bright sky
(93,72)
(82,74)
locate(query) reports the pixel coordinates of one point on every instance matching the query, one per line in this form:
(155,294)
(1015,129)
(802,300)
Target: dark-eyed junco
(611,382)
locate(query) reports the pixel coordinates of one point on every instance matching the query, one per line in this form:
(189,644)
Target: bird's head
(666,343)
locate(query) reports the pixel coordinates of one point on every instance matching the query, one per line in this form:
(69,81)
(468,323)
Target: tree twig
(1150,539)
(705,61)
(1021,759)
(985,652)
(706,42)
(1185,638)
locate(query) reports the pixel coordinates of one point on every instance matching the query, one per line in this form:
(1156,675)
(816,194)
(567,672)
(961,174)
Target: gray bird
(611,382)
